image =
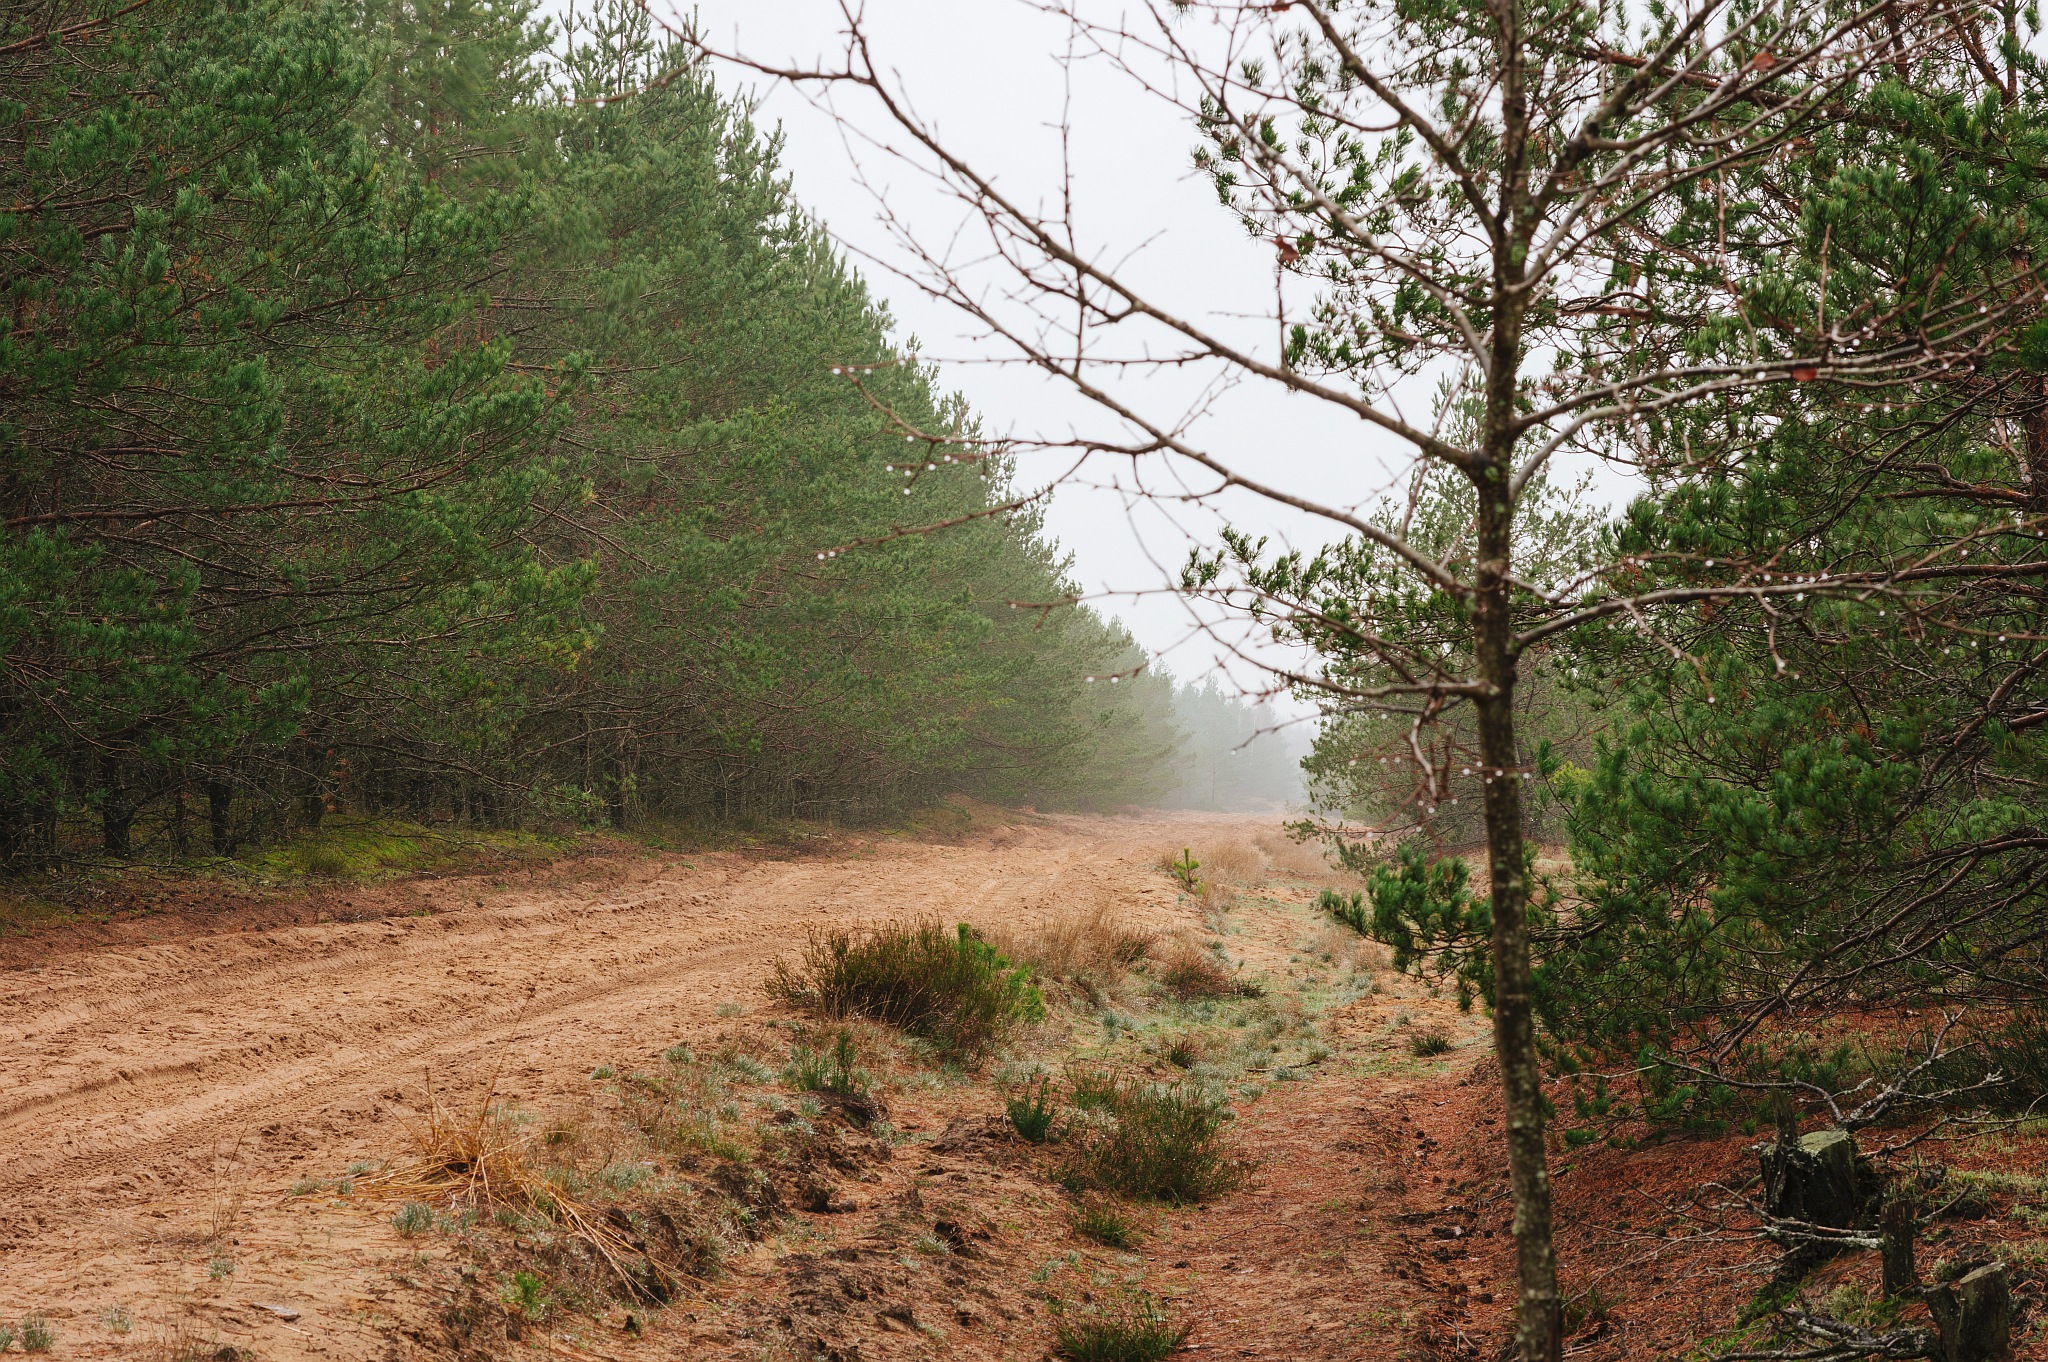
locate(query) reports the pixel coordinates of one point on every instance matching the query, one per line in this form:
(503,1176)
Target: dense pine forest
(433,410)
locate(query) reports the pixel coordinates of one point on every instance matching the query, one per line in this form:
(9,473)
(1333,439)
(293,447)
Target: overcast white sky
(988,74)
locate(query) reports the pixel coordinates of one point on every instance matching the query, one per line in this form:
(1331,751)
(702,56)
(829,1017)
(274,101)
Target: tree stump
(1974,1315)
(1897,1226)
(1814,1178)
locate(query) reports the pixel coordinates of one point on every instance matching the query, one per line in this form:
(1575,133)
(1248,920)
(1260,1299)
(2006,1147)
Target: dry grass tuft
(1085,945)
(1286,856)
(224,1193)
(1188,974)
(1233,862)
(481,1160)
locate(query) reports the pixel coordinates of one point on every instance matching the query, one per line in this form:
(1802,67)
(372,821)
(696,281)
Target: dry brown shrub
(482,1160)
(1289,857)
(1234,862)
(1348,950)
(1188,974)
(1084,945)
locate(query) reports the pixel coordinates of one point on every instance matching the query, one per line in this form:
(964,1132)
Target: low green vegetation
(1132,1328)
(36,1333)
(1429,1043)
(834,1069)
(1032,1112)
(948,986)
(1154,1142)
(1106,1223)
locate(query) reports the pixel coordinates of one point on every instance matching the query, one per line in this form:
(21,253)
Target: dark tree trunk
(220,797)
(317,763)
(181,837)
(2034,472)
(117,808)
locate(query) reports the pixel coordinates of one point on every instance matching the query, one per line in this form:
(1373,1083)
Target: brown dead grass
(1087,945)
(1285,856)
(1233,862)
(481,1160)
(1188,974)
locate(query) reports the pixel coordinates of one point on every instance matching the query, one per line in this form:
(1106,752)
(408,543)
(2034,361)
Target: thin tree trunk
(1539,1326)
(1538,1329)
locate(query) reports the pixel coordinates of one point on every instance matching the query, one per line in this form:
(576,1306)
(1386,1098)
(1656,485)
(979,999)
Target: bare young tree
(1581,226)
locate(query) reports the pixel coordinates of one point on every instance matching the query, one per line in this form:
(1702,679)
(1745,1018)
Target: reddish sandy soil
(166,1080)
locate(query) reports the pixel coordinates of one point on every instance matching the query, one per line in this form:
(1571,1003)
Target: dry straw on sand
(483,1161)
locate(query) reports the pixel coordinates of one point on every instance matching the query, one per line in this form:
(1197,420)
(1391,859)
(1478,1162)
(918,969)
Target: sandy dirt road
(174,1072)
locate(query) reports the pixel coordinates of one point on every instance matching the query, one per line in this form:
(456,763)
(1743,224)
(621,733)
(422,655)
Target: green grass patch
(1107,1223)
(1033,1113)
(361,849)
(1133,1329)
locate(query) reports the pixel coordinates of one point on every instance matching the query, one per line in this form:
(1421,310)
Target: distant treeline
(1234,754)
(409,408)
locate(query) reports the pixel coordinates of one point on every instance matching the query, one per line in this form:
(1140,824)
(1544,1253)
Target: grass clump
(1163,1143)
(1107,1224)
(1033,1113)
(1088,946)
(1189,975)
(950,987)
(1234,862)
(412,1219)
(1430,1043)
(834,1070)
(36,1334)
(1134,1329)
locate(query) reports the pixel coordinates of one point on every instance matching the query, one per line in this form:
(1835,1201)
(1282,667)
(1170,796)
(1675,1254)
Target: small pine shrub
(1348,910)
(1184,871)
(1033,1114)
(1427,1044)
(36,1334)
(1161,1144)
(1591,1306)
(528,1294)
(1131,1330)
(951,987)
(412,1219)
(1107,1224)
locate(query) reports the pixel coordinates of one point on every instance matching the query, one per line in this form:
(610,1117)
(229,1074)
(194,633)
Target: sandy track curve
(126,1067)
